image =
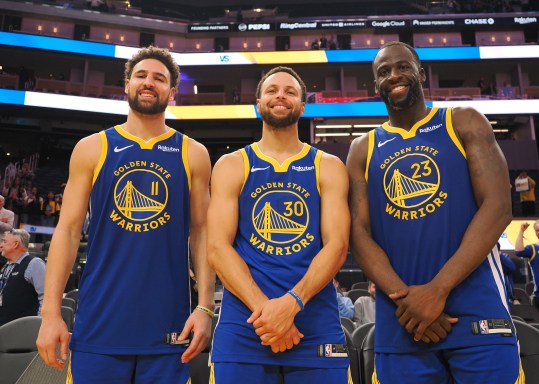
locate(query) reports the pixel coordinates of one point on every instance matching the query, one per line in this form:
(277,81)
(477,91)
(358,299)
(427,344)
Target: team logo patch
(280,219)
(140,194)
(411,183)
(280,216)
(411,180)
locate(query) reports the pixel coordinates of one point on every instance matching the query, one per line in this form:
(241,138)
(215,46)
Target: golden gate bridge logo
(280,216)
(411,180)
(143,200)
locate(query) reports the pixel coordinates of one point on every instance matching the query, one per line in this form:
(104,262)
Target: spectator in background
(21,279)
(235,96)
(346,307)
(486,88)
(26,176)
(15,198)
(509,267)
(365,306)
(32,208)
(506,91)
(6,217)
(530,252)
(525,185)
(49,209)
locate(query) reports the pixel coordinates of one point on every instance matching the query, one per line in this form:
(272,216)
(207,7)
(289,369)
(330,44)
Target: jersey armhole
(245,167)
(370,149)
(102,156)
(185,159)
(451,131)
(317,159)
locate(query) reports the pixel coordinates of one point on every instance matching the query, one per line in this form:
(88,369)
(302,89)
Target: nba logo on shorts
(483,327)
(328,350)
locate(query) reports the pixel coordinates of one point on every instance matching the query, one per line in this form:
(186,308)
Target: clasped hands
(274,323)
(420,312)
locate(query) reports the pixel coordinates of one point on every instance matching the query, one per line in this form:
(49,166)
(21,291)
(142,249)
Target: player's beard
(145,108)
(279,121)
(414,94)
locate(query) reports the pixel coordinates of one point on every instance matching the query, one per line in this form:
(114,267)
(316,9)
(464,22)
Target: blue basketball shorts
(493,364)
(234,373)
(92,368)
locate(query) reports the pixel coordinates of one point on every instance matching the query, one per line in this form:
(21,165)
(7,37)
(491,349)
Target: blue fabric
(135,286)
(421,202)
(91,368)
(278,236)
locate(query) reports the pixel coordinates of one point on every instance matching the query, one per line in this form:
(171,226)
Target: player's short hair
(288,70)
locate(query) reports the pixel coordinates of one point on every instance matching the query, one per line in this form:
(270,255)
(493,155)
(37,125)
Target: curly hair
(161,54)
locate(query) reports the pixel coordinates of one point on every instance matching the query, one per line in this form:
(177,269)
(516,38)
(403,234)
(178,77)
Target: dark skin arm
(369,255)
(490,181)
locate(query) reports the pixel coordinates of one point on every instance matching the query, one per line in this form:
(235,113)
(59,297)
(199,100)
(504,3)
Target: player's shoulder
(230,163)
(330,160)
(89,146)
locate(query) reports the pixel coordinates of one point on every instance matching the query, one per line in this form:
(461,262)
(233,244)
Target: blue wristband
(298,299)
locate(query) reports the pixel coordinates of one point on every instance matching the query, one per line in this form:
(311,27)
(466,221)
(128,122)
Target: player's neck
(145,127)
(406,119)
(280,143)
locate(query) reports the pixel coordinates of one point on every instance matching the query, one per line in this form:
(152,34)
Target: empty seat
(528,337)
(355,293)
(367,357)
(17,347)
(348,324)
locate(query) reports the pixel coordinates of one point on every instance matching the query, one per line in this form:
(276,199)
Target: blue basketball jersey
(421,202)
(278,236)
(530,252)
(135,286)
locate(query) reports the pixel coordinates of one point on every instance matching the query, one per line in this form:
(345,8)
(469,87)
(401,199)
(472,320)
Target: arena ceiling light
(332,134)
(334,126)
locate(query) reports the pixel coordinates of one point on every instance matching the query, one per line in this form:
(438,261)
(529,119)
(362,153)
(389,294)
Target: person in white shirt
(365,307)
(6,217)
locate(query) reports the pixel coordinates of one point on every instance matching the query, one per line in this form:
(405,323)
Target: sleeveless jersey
(278,236)
(135,285)
(421,202)
(530,252)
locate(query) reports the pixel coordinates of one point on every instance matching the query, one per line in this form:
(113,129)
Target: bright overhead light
(366,125)
(359,133)
(501,130)
(493,122)
(335,126)
(332,134)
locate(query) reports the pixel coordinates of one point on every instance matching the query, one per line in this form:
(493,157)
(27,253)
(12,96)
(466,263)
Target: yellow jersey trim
(317,160)
(534,253)
(245,167)
(451,131)
(370,149)
(212,374)
(412,132)
(145,144)
(185,159)
(102,156)
(284,166)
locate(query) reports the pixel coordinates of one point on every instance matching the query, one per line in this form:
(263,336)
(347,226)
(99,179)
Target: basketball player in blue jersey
(530,252)
(148,189)
(429,198)
(278,228)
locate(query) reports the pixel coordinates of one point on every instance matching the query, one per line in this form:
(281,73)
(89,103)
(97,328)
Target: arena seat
(17,347)
(528,337)
(366,357)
